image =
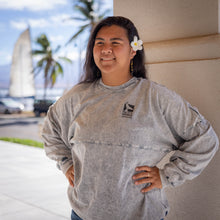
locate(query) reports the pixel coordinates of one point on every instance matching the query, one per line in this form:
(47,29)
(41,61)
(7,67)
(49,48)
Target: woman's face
(112,51)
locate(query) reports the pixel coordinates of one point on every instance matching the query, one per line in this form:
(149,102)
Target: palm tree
(90,15)
(48,64)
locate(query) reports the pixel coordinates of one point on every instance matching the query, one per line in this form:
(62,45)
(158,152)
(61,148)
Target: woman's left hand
(147,175)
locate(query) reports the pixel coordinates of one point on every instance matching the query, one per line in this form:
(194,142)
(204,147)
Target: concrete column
(182,45)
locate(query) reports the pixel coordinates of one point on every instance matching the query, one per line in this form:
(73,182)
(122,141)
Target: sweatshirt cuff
(64,166)
(164,178)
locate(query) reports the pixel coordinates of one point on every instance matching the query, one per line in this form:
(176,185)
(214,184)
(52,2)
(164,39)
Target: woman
(111,130)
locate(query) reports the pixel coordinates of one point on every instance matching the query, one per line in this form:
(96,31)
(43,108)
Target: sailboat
(21,75)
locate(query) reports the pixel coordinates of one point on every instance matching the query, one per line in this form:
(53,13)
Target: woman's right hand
(70,175)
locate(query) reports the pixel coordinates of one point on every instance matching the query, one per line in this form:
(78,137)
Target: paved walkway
(31,187)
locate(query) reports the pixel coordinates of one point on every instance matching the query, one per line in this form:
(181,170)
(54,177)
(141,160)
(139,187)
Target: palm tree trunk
(45,88)
(46,77)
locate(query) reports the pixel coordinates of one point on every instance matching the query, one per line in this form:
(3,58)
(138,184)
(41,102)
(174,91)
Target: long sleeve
(54,145)
(197,141)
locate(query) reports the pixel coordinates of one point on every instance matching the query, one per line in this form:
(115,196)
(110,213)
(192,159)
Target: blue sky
(43,16)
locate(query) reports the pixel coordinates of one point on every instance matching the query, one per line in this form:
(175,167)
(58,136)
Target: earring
(98,74)
(132,67)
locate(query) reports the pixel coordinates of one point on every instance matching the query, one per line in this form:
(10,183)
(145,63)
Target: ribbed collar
(123,86)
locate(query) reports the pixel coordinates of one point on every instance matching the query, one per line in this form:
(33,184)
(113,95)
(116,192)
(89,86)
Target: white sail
(21,76)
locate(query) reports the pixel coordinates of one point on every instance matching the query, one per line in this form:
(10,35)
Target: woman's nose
(106,50)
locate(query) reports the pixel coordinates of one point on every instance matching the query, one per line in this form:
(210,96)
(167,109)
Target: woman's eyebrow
(112,39)
(99,38)
(116,38)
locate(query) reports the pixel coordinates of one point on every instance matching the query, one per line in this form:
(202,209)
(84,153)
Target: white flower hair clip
(136,44)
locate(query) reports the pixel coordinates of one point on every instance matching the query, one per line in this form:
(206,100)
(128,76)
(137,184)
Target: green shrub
(27,142)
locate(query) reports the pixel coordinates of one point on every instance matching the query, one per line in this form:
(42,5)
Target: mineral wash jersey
(105,132)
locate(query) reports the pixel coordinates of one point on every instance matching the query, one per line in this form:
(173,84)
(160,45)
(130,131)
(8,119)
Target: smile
(107,59)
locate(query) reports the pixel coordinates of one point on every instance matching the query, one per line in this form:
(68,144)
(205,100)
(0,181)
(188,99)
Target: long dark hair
(91,71)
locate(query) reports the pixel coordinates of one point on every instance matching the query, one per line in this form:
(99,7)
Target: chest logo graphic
(127,110)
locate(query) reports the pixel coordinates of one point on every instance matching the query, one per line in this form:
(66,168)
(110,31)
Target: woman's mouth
(107,59)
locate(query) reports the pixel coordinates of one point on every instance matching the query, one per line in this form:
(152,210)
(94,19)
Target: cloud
(34,23)
(73,55)
(38,5)
(5,57)
(52,21)
(39,22)
(57,38)
(64,19)
(20,25)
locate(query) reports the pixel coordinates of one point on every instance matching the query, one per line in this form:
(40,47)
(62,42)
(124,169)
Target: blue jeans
(74,216)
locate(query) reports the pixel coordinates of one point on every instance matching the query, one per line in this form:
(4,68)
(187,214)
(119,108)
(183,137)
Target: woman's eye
(99,43)
(115,43)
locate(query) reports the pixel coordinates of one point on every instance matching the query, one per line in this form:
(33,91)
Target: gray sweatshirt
(106,132)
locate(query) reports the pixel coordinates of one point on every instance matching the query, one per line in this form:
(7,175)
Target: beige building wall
(182,45)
